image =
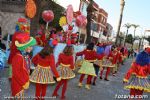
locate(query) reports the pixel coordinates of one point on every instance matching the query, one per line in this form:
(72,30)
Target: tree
(127,26)
(129,38)
(135,27)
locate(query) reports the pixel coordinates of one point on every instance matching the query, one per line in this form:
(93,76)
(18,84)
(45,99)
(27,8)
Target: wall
(10,11)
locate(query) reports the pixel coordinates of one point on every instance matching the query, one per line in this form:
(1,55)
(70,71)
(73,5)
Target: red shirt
(48,61)
(20,75)
(66,60)
(89,54)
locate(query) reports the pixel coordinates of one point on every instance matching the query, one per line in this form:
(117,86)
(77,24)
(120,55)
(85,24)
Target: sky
(135,12)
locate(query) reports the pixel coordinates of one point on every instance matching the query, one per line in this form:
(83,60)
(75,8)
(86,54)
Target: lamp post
(122,4)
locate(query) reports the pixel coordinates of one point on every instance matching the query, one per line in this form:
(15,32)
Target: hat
(24,41)
(147,50)
(53,42)
(23,25)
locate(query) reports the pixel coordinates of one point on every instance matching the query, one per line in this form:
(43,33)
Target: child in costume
(87,67)
(107,52)
(20,74)
(42,75)
(100,52)
(22,27)
(66,62)
(138,74)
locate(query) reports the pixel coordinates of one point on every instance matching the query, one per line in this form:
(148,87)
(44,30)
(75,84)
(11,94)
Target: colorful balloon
(69,14)
(30,8)
(48,15)
(81,21)
(62,21)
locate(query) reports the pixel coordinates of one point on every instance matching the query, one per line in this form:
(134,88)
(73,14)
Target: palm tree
(135,27)
(127,26)
(122,3)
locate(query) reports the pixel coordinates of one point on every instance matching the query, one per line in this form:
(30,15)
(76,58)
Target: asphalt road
(104,90)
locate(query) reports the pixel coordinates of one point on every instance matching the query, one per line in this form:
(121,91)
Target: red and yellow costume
(113,58)
(13,50)
(19,81)
(87,68)
(22,27)
(67,65)
(138,73)
(20,75)
(141,74)
(42,74)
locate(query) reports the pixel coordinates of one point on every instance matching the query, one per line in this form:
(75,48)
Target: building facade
(99,19)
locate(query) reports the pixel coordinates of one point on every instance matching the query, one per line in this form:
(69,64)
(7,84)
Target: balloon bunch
(74,19)
(81,21)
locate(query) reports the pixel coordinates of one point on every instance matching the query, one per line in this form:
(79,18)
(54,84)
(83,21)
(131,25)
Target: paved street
(102,91)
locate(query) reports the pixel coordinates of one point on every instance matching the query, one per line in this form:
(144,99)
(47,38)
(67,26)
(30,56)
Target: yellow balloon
(62,21)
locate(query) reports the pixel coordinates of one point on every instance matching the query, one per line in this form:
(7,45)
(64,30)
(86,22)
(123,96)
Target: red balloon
(48,15)
(81,21)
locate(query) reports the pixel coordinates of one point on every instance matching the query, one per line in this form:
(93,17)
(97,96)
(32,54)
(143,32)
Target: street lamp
(122,4)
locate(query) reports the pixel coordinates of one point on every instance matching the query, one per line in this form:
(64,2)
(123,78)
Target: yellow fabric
(78,63)
(26,86)
(20,45)
(90,60)
(64,65)
(44,67)
(125,80)
(137,87)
